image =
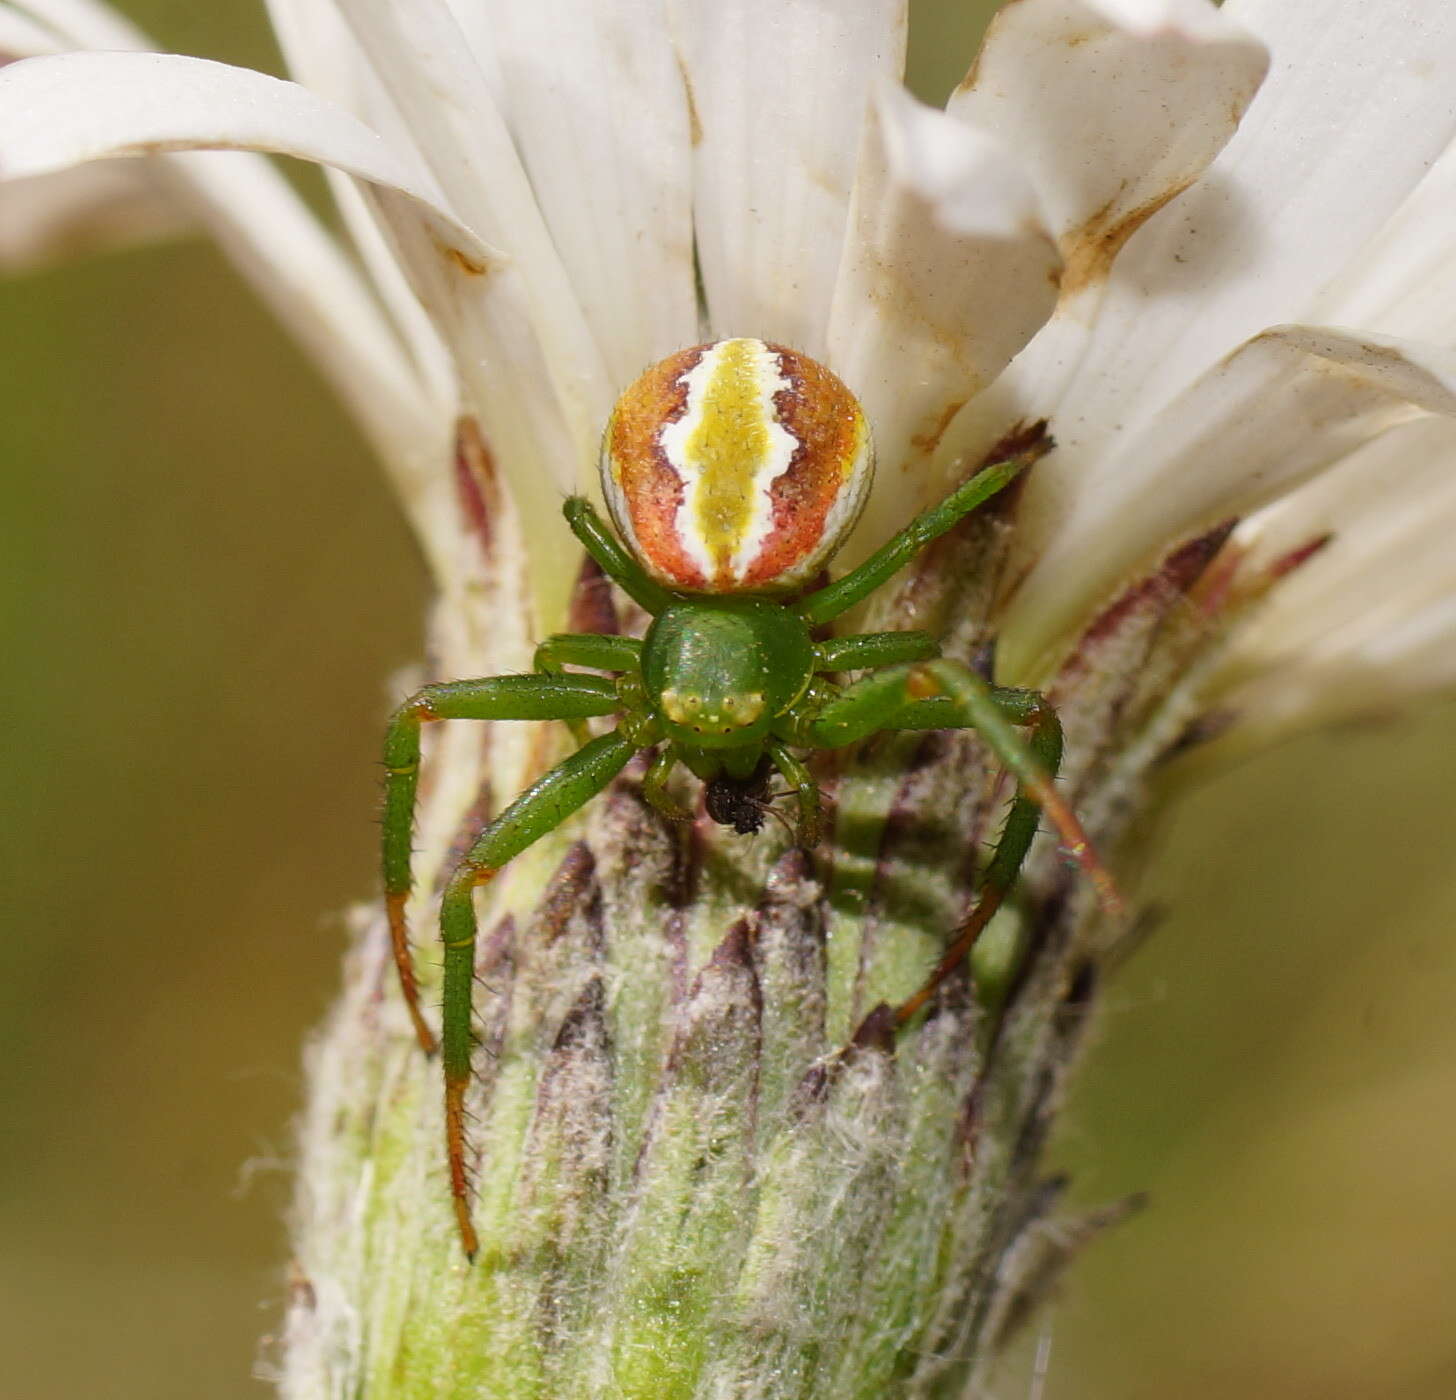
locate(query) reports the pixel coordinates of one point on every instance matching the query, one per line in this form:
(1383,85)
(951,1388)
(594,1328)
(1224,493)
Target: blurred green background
(204,592)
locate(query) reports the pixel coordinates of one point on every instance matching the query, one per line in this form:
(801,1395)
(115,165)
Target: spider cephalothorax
(733,472)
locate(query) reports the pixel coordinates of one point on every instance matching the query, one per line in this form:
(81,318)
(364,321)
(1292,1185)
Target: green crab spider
(733,471)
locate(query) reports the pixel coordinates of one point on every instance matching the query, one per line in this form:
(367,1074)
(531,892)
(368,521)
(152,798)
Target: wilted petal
(1282,407)
(948,271)
(779,92)
(597,104)
(1112,107)
(1353,90)
(1357,105)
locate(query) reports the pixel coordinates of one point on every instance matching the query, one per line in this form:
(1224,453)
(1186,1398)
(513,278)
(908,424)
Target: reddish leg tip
(399,941)
(469,1241)
(1109,896)
(426,1038)
(455,1158)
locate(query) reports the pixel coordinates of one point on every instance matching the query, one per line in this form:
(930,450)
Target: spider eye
(743,709)
(693,712)
(737,466)
(680,708)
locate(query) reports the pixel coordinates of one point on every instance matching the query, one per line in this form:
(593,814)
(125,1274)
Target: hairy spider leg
(654,784)
(892,556)
(989,718)
(802,781)
(944,694)
(863,651)
(612,557)
(1027,709)
(596,650)
(541,808)
(499,697)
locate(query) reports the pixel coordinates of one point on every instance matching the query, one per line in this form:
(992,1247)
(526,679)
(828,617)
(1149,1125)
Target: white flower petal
(411,321)
(1321,612)
(272,240)
(948,271)
(88,24)
(146,103)
(70,213)
(140,103)
(779,92)
(1389,512)
(1279,409)
(298,272)
(73,212)
(478,24)
(1112,106)
(1403,281)
(420,54)
(1114,109)
(323,55)
(249,208)
(597,103)
(23,37)
(1401,480)
(1357,105)
(290,261)
(1366,673)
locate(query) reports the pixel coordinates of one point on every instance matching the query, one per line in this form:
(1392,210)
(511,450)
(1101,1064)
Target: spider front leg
(892,556)
(499,697)
(862,651)
(943,694)
(613,559)
(541,808)
(596,650)
(1024,708)
(992,713)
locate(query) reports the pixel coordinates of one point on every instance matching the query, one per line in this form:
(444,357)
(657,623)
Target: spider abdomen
(737,466)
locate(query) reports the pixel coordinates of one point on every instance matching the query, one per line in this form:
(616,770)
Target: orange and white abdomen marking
(736,467)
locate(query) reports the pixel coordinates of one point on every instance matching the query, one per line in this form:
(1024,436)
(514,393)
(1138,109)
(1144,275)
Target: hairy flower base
(706,1168)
